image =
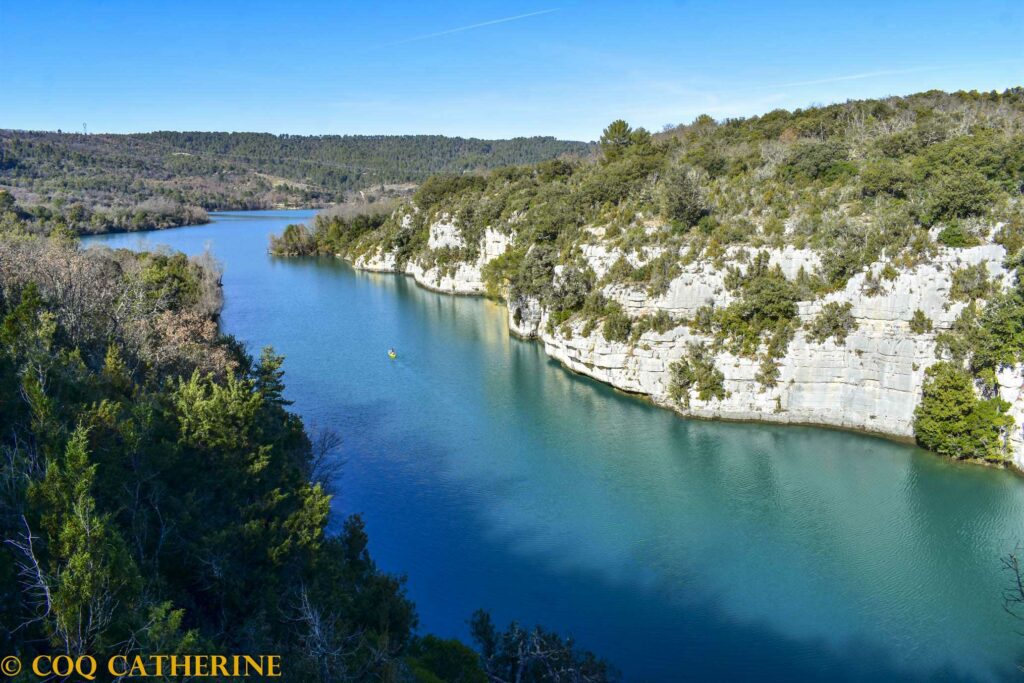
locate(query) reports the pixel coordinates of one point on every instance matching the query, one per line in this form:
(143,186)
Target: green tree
(920,323)
(617,325)
(269,377)
(435,660)
(952,420)
(615,139)
(94,581)
(959,193)
(682,197)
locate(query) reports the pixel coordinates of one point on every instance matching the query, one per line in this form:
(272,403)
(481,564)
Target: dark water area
(677,549)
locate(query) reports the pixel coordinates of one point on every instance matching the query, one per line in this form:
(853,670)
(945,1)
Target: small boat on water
(391,354)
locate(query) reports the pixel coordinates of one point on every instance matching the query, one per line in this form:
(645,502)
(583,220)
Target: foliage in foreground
(156,494)
(534,655)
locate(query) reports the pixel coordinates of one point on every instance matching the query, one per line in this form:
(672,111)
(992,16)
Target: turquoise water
(677,549)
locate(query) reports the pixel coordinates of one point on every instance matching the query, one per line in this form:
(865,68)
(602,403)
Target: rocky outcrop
(872,381)
(460,278)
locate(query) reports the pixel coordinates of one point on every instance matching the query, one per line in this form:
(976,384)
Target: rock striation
(871,382)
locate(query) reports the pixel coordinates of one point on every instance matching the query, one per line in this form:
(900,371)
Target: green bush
(835,320)
(885,177)
(682,198)
(953,235)
(572,290)
(617,325)
(437,188)
(959,194)
(827,161)
(435,660)
(696,371)
(920,323)
(767,372)
(989,337)
(971,282)
(767,300)
(662,322)
(952,420)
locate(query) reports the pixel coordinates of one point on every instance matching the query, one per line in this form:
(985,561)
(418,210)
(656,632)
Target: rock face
(461,278)
(870,382)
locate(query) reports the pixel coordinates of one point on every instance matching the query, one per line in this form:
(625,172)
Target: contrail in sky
(855,77)
(877,74)
(472,26)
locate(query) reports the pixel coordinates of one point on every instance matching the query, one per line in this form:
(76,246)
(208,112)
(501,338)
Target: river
(674,548)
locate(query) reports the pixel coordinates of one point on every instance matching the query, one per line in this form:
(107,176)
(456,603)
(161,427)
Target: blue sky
(485,69)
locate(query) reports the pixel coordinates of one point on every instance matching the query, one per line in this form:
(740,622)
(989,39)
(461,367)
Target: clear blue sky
(485,69)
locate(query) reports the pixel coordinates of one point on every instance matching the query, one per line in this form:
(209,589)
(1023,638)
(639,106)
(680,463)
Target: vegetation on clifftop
(856,182)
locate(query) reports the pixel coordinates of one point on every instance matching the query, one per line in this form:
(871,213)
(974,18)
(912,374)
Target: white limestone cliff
(871,382)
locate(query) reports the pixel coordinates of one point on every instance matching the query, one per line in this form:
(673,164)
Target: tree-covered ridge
(875,183)
(95,183)
(853,181)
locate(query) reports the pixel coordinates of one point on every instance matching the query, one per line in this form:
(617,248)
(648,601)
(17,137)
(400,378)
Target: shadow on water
(675,548)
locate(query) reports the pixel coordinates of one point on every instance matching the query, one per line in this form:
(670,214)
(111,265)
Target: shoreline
(647,398)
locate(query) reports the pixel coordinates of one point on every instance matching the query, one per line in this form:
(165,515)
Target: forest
(157,495)
(102,183)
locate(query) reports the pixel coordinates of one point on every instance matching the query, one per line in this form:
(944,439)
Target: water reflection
(495,478)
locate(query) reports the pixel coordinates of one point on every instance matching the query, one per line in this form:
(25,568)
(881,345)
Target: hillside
(96,183)
(852,265)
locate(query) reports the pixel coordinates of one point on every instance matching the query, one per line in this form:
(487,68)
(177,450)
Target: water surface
(675,548)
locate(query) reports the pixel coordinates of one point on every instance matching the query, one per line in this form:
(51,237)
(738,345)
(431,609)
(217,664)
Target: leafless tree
(326,464)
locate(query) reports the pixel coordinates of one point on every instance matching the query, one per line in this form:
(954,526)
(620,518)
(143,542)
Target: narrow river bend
(675,548)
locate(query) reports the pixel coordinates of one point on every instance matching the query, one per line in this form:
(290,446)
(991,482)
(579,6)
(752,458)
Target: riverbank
(869,383)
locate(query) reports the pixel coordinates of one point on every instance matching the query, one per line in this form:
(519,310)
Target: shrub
(920,323)
(617,325)
(662,322)
(835,320)
(767,372)
(437,188)
(432,659)
(766,303)
(899,144)
(296,240)
(695,371)
(959,194)
(682,198)
(885,177)
(971,282)
(827,161)
(955,236)
(988,337)
(661,272)
(572,289)
(952,420)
